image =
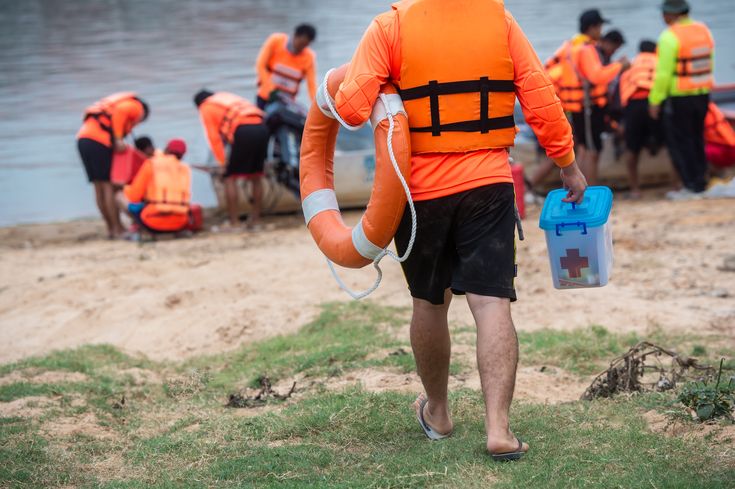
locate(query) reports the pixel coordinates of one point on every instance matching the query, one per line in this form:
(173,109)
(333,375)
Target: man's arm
(369,69)
(667,50)
(137,188)
(126,115)
(592,68)
(264,56)
(211,128)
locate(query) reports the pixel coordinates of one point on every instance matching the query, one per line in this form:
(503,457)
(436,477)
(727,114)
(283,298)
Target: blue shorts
(135,209)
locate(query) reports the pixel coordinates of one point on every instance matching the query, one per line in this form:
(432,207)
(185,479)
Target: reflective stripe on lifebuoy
(359,246)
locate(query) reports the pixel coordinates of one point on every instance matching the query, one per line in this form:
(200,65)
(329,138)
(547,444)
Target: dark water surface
(58,56)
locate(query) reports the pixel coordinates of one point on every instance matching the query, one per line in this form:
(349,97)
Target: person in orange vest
(106,124)
(640,129)
(683,80)
(230,120)
(459,73)
(719,137)
(158,199)
(582,81)
(283,62)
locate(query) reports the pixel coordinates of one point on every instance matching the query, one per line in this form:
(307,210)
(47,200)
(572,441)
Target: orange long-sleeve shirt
(377,61)
(212,115)
(125,116)
(590,66)
(275,51)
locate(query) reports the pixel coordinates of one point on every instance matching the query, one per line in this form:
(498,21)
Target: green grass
(179,434)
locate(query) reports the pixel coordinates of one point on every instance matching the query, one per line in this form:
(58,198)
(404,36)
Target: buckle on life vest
(483,86)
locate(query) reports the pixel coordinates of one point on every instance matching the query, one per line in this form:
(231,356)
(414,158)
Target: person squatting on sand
(159,197)
(106,124)
(450,66)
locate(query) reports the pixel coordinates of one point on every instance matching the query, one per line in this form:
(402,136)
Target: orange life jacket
(286,69)
(639,78)
(570,85)
(233,111)
(694,61)
(102,109)
(169,191)
(456,77)
(717,129)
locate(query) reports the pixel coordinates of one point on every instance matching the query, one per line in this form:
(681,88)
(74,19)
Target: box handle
(578,224)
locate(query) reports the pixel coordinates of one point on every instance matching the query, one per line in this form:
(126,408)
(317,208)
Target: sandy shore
(62,285)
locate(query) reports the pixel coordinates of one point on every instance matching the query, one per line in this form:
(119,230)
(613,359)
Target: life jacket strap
(483,86)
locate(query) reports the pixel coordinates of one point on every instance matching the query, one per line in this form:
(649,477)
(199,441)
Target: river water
(56,57)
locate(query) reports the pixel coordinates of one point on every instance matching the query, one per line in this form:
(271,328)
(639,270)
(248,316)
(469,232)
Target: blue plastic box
(579,238)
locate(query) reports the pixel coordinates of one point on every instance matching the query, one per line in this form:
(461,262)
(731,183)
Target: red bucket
(125,166)
(196,217)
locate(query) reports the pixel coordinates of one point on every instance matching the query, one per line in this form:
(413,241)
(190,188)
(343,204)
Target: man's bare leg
(592,162)
(431,349)
(231,201)
(99,196)
(113,213)
(631,161)
(497,359)
(257,206)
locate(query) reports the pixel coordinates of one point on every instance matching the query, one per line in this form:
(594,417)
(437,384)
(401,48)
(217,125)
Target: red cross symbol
(574,263)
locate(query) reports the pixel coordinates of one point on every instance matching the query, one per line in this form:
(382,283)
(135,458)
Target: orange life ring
(361,245)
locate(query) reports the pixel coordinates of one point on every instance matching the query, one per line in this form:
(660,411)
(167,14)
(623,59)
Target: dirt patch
(674,427)
(25,407)
(141,376)
(33,376)
(85,424)
(534,384)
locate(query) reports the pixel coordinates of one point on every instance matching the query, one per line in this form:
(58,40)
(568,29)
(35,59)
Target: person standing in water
(106,124)
(683,81)
(459,72)
(283,62)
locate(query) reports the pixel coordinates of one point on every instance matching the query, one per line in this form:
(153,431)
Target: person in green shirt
(682,84)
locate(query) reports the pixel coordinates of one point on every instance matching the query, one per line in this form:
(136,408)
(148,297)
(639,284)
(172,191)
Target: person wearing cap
(283,62)
(158,198)
(231,121)
(581,80)
(683,81)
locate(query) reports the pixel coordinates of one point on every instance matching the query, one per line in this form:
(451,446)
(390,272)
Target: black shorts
(640,129)
(97,159)
(597,120)
(249,150)
(464,241)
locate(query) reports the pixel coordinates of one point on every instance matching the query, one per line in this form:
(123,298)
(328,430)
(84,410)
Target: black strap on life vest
(483,86)
(684,71)
(104,112)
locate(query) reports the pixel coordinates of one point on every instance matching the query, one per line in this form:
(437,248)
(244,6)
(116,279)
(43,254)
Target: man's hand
(574,181)
(654,111)
(119,145)
(624,61)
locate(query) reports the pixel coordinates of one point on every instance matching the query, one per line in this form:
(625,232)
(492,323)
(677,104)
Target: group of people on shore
(661,96)
(156,192)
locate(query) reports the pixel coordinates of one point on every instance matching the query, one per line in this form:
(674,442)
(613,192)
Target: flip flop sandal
(430,433)
(509,456)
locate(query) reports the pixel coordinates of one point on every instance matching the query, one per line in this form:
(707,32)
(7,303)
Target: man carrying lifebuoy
(459,78)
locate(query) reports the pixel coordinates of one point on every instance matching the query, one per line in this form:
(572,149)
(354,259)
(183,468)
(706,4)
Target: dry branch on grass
(264,394)
(646,367)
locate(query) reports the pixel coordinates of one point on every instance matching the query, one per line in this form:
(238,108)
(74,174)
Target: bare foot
(439,422)
(504,443)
